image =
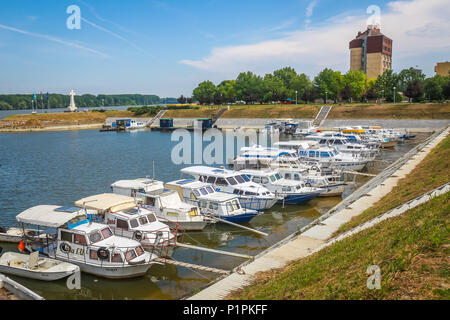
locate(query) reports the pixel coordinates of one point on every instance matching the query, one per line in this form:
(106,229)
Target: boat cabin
(211,202)
(166,203)
(132,221)
(74,238)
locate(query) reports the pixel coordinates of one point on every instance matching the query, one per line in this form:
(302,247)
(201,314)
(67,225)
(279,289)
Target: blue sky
(167,47)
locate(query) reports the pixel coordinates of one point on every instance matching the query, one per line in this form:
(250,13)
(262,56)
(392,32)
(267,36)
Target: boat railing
(109,254)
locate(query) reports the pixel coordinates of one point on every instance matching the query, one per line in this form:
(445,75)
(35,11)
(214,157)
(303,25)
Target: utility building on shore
(371,52)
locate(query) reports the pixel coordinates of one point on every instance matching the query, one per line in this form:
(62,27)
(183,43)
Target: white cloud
(417,27)
(310,8)
(53,39)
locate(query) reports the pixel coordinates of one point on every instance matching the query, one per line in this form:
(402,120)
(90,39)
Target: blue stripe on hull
(240,218)
(299,198)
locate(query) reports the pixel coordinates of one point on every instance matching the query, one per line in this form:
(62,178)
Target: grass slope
(412,251)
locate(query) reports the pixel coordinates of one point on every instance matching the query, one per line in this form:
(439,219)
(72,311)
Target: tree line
(286,84)
(24,101)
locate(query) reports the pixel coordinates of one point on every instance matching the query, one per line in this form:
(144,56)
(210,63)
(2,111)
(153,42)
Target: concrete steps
(322,115)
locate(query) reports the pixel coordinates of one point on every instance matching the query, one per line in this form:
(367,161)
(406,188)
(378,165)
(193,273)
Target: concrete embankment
(318,233)
(410,124)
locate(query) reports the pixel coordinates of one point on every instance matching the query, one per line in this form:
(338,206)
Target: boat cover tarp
(107,201)
(47,216)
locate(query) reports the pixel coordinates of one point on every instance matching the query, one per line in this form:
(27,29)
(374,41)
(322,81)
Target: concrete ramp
(157,117)
(322,115)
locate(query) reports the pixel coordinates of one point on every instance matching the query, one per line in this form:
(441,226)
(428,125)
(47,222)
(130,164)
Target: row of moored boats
(123,233)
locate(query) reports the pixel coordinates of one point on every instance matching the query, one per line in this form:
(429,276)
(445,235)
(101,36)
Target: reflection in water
(62,167)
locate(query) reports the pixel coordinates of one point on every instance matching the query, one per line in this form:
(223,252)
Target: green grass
(411,250)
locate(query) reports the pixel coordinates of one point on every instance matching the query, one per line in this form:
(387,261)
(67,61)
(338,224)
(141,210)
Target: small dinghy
(14,235)
(34,267)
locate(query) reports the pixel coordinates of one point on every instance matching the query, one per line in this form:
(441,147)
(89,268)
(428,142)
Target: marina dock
(318,233)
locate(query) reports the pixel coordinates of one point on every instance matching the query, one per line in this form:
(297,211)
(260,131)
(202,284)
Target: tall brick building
(371,52)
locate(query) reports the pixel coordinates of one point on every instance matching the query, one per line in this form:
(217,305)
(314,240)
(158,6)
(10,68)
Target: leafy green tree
(249,87)
(328,83)
(415,90)
(434,87)
(274,88)
(286,74)
(182,99)
(406,76)
(354,83)
(228,90)
(385,84)
(299,83)
(205,92)
(446,89)
(310,94)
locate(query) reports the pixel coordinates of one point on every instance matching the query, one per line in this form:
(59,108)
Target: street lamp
(394,93)
(296,98)
(326,97)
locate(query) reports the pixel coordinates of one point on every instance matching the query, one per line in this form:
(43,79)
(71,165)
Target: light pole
(383,94)
(296,98)
(394,93)
(326,97)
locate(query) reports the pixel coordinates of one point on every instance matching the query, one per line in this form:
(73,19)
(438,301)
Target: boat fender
(65,247)
(103,253)
(138,235)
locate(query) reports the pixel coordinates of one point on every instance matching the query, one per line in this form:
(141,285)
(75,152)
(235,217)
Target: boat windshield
(98,236)
(151,218)
(210,190)
(143,220)
(243,177)
(232,181)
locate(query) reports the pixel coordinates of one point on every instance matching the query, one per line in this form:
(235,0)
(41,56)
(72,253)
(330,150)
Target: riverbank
(386,111)
(248,116)
(58,121)
(271,269)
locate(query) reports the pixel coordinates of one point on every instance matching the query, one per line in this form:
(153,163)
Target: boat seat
(33,260)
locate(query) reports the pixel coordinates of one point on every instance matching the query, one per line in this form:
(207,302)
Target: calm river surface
(59,168)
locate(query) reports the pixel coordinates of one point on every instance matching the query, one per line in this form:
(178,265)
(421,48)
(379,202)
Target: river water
(59,168)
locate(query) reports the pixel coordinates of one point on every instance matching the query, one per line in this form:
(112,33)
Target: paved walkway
(297,247)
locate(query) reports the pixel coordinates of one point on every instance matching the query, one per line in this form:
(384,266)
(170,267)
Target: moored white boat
(132,221)
(221,205)
(167,204)
(72,237)
(34,267)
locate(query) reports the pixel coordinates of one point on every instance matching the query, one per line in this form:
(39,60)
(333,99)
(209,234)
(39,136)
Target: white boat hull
(16,264)
(48,276)
(333,191)
(188,225)
(112,272)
